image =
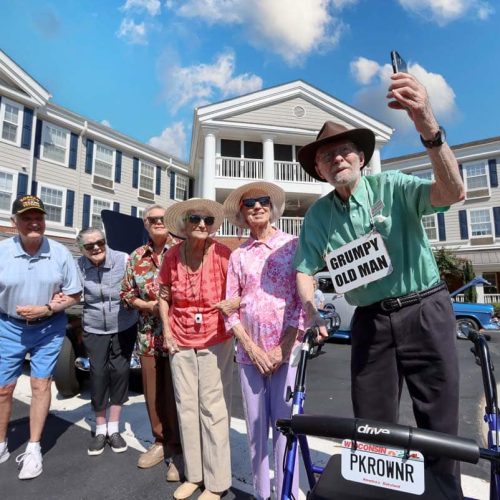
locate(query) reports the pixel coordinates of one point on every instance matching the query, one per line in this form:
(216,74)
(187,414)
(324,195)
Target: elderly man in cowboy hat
(369,233)
(34,270)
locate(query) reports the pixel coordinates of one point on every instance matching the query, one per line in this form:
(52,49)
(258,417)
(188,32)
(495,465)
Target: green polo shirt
(330,223)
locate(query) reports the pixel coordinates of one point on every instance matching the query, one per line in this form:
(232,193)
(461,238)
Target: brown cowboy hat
(364,138)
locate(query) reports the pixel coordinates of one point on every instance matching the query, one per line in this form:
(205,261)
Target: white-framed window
(8,183)
(11,115)
(98,204)
(54,200)
(424,174)
(147,176)
(181,187)
(140,212)
(481,222)
(104,165)
(431,226)
(476,179)
(55,144)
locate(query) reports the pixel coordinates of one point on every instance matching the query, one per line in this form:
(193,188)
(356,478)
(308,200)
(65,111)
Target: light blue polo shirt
(330,223)
(33,280)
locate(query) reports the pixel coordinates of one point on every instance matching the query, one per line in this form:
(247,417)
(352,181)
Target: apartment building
(77,166)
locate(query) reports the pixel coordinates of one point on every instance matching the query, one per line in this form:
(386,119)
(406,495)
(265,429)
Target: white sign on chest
(358,263)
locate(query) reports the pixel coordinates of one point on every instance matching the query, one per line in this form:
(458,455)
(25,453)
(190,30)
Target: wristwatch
(438,140)
(50,311)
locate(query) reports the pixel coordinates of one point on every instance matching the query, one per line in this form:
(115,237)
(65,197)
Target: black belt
(396,303)
(24,322)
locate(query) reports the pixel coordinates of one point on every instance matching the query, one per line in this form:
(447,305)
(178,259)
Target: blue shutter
(116,206)
(135,173)
(190,187)
(27,126)
(462,219)
(158,179)
(118,166)
(461,170)
(441,227)
(89,156)
(86,211)
(73,151)
(172,185)
(496,217)
(133,211)
(38,137)
(492,164)
(34,187)
(70,208)
(22,184)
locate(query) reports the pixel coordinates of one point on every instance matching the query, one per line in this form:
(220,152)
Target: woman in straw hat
(192,288)
(266,324)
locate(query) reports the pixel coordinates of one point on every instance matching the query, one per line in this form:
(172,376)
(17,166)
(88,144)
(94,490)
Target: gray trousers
(415,344)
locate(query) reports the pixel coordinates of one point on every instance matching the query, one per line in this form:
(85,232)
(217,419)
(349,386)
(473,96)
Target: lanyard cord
(188,277)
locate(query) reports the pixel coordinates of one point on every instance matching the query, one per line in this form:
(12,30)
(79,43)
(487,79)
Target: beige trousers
(202,384)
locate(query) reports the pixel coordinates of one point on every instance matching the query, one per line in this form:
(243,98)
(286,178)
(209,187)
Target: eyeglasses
(196,219)
(155,220)
(91,246)
(264,201)
(344,150)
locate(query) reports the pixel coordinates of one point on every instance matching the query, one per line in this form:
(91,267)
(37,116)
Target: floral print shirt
(140,282)
(262,274)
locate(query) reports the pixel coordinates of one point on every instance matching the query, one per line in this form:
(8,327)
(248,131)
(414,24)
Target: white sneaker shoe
(4,453)
(30,463)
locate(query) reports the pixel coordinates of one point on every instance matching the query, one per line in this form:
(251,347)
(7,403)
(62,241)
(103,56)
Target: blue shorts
(42,340)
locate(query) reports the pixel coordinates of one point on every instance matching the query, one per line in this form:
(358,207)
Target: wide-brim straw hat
(233,201)
(174,214)
(364,138)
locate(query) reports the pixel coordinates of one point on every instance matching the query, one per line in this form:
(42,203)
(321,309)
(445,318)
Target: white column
(200,182)
(208,175)
(480,291)
(268,146)
(375,165)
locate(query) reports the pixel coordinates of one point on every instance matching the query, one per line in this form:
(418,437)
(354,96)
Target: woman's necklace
(198,317)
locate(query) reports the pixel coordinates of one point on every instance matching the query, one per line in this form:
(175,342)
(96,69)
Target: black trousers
(415,344)
(109,356)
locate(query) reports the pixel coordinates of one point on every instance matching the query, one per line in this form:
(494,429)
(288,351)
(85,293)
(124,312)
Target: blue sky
(141,66)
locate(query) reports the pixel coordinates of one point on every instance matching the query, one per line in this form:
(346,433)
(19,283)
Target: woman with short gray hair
(109,334)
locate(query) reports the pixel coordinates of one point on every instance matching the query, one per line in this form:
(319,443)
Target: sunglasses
(264,201)
(91,246)
(196,219)
(156,220)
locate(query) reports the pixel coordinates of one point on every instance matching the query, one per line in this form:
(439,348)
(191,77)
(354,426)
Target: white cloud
(203,83)
(443,12)
(106,123)
(171,141)
(364,70)
(372,98)
(132,32)
(152,7)
(290,28)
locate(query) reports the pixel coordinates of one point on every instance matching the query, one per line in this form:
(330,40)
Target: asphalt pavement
(70,473)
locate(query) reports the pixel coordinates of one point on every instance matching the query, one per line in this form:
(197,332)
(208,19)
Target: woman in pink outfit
(266,325)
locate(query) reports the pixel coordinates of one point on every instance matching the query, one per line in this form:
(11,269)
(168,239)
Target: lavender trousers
(264,403)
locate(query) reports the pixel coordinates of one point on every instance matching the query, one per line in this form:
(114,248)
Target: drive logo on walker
(358,263)
(378,465)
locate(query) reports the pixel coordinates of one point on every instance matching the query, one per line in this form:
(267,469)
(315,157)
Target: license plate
(383,467)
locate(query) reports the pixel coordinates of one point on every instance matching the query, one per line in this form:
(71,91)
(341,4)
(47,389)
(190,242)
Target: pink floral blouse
(262,274)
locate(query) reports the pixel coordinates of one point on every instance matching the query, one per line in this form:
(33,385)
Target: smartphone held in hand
(398,63)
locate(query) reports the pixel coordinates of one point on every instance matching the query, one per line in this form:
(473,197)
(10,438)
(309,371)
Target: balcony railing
(291,225)
(239,168)
(289,171)
(489,298)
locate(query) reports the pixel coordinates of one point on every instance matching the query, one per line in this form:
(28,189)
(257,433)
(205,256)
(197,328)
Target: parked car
(473,315)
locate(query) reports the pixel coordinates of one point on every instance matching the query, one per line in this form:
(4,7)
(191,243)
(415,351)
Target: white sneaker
(4,453)
(30,463)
